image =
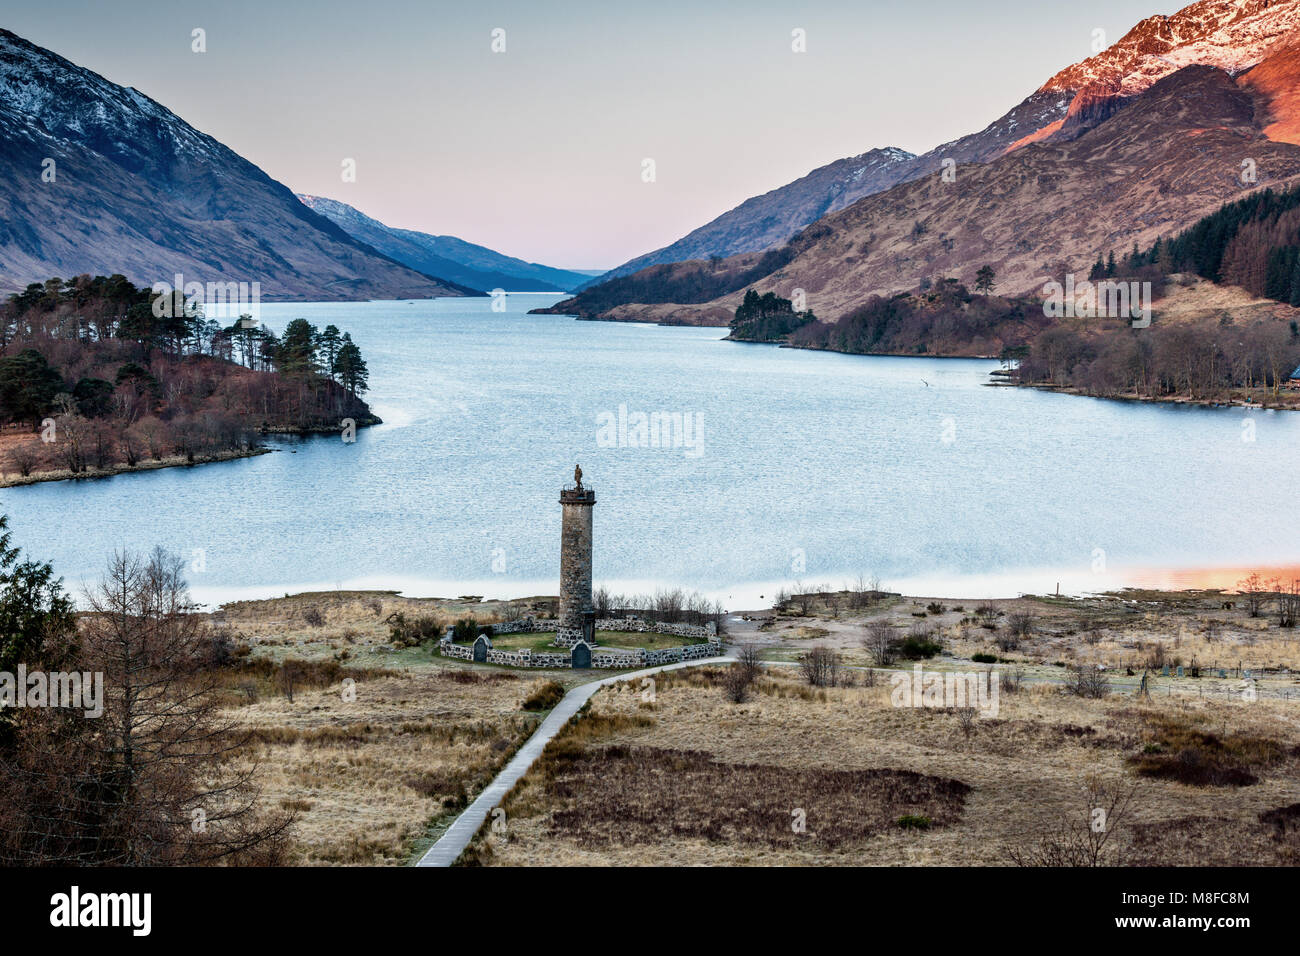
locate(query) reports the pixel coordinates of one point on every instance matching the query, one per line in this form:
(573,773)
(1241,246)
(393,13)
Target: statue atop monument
(577,476)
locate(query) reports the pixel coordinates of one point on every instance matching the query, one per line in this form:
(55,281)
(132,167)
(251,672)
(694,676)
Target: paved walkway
(452,843)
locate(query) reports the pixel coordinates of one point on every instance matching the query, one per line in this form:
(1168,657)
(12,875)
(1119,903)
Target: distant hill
(447,256)
(98,178)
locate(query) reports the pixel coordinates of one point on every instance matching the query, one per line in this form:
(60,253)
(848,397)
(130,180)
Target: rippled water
(809,466)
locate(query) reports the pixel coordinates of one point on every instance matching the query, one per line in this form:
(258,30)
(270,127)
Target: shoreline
(1281,403)
(172,461)
(1185,583)
(178,461)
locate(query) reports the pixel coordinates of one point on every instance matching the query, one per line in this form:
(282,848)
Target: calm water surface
(810,467)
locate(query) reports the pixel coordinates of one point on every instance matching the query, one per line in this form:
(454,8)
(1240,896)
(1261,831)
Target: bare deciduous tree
(881,643)
(1288,602)
(172,792)
(1253,592)
(820,667)
(1088,837)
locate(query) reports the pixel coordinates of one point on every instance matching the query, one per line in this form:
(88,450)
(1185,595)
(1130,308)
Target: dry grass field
(1200,630)
(695,779)
(366,776)
(370,768)
(376,768)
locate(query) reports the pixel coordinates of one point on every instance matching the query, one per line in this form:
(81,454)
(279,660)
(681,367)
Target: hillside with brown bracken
(1166,157)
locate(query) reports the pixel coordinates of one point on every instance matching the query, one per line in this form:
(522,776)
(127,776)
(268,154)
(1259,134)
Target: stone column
(576,610)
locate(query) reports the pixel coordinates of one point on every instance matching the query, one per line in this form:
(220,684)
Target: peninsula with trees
(100,377)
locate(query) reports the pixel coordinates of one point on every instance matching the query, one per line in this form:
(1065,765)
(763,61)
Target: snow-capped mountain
(99,178)
(1233,35)
(1137,142)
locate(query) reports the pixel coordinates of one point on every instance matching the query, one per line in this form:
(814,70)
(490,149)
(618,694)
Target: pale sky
(537,152)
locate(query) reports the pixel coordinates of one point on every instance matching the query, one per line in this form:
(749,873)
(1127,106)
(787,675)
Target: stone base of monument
(573,651)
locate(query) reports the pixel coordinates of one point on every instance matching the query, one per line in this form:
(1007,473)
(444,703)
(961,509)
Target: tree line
(1200,360)
(767,318)
(942,317)
(1253,243)
(682,283)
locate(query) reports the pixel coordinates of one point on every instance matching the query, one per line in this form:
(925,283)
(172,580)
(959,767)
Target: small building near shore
(1295,380)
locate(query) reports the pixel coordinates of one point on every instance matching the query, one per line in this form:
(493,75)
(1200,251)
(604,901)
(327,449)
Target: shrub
(736,683)
(1088,680)
(913,822)
(1011,680)
(984,658)
(1021,624)
(466,630)
(920,642)
(1076,840)
(410,632)
(749,659)
(313,617)
(545,697)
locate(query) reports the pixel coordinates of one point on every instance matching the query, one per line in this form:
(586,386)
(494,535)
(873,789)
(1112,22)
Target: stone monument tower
(577,616)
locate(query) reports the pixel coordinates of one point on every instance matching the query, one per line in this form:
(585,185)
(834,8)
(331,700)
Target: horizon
(492,190)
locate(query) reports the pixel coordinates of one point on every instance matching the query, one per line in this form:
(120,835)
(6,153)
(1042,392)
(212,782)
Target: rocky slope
(1233,35)
(137,190)
(446,256)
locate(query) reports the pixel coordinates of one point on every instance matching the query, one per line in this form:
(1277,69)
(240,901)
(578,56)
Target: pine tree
(1294,297)
(350,367)
(297,354)
(328,344)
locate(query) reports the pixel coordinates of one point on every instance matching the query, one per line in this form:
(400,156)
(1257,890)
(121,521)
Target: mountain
(772,218)
(769,220)
(136,190)
(1233,35)
(446,256)
(1138,147)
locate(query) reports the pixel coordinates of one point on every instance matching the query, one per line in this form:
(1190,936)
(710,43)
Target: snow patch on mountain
(1232,35)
